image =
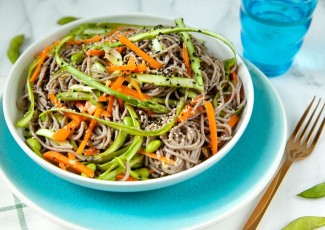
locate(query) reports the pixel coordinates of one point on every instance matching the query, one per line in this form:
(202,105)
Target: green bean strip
(24,122)
(75,96)
(127,129)
(173,81)
(195,60)
(107,158)
(14,47)
(35,146)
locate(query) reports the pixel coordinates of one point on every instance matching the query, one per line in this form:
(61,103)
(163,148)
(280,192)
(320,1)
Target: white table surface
(305,79)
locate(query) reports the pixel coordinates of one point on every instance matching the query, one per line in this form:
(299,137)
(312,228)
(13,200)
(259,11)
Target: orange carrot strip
(84,41)
(89,131)
(118,83)
(129,67)
(71,156)
(155,156)
(120,49)
(185,113)
(137,88)
(140,68)
(186,60)
(63,133)
(95,52)
(121,176)
(60,158)
(212,126)
(153,63)
(110,105)
(54,101)
(132,93)
(103,98)
(91,152)
(233,120)
(39,65)
(62,166)
(196,99)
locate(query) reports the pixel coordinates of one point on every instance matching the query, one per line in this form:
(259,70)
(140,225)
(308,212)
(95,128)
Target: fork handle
(261,207)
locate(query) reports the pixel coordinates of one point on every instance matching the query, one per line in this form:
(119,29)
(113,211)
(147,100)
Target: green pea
(316,191)
(128,121)
(77,58)
(153,146)
(14,47)
(306,223)
(34,145)
(65,20)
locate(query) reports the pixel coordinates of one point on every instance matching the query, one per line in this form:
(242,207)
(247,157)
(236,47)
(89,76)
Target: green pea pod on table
(65,20)
(306,223)
(317,191)
(14,47)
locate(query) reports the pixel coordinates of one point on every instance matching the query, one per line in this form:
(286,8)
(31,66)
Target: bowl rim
(120,186)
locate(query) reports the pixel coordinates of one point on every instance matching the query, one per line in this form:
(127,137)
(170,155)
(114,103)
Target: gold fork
(299,146)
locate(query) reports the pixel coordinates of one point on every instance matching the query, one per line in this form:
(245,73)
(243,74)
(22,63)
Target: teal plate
(198,202)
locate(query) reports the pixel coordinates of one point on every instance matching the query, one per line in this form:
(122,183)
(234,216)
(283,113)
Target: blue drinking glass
(273,32)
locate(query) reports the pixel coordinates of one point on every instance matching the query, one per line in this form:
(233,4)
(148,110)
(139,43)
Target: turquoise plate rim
(196,203)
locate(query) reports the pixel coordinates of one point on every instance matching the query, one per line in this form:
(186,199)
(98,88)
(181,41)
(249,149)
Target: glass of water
(273,32)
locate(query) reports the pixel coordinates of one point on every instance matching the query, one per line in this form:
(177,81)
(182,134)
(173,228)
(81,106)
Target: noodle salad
(126,102)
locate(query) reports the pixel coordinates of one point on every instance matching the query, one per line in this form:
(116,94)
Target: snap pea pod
(77,58)
(317,191)
(107,158)
(195,60)
(65,20)
(111,175)
(172,81)
(110,153)
(306,223)
(127,129)
(162,101)
(24,122)
(34,145)
(14,47)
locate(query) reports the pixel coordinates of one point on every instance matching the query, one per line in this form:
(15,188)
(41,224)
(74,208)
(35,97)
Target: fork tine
(304,132)
(299,125)
(321,127)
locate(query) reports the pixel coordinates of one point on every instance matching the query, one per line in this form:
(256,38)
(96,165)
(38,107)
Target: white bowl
(17,78)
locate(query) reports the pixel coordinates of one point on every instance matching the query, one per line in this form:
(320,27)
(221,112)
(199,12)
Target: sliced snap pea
(77,58)
(317,191)
(306,223)
(65,20)
(34,145)
(153,146)
(14,47)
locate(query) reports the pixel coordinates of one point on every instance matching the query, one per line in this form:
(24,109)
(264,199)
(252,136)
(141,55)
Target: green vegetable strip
(154,33)
(14,47)
(195,60)
(108,157)
(24,122)
(125,128)
(75,96)
(148,105)
(160,80)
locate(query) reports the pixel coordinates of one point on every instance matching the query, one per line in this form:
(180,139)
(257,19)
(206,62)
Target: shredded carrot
(71,156)
(121,49)
(212,126)
(186,60)
(85,41)
(39,65)
(140,68)
(60,158)
(129,67)
(137,88)
(196,99)
(153,63)
(122,175)
(89,131)
(132,93)
(233,76)
(233,120)
(155,156)
(55,102)
(95,52)
(185,113)
(110,105)
(118,83)
(103,98)
(63,133)
(91,152)
(63,166)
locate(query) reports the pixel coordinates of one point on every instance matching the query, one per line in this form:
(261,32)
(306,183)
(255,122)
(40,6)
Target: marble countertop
(305,79)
